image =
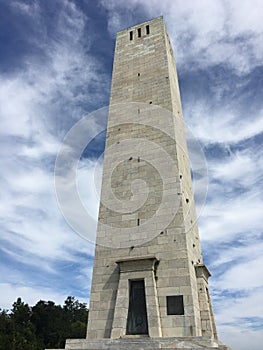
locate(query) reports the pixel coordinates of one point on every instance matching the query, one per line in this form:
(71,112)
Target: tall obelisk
(149,280)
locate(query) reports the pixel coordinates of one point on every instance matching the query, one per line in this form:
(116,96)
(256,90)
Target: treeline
(44,325)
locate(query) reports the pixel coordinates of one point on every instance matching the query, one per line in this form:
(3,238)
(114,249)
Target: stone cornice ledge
(137,263)
(202,271)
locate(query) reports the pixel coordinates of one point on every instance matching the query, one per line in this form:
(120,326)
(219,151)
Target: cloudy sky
(55,67)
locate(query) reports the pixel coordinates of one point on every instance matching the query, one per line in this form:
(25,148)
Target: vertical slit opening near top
(147,29)
(131,35)
(139,32)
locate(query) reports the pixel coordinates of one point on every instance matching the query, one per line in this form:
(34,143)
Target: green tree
(6,331)
(48,321)
(42,326)
(23,332)
(76,317)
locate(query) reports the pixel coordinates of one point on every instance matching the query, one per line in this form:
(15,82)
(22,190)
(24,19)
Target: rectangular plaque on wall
(175,305)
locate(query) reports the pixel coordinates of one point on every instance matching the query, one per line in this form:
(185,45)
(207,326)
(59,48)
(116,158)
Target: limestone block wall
(147,202)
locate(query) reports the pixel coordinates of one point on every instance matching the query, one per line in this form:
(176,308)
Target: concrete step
(191,343)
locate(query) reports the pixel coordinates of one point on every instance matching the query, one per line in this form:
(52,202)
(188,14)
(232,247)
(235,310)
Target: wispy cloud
(39,102)
(31,295)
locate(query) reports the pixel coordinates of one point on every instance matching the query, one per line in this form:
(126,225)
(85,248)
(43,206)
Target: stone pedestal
(146,343)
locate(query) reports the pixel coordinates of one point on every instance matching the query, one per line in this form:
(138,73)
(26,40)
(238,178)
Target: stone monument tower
(150,285)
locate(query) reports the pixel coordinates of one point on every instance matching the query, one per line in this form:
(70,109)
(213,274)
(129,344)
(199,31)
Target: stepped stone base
(191,343)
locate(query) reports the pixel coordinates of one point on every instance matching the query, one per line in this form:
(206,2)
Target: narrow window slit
(139,32)
(138,222)
(131,35)
(147,29)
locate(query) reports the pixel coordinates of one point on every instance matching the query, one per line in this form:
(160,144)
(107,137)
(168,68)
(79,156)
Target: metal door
(137,314)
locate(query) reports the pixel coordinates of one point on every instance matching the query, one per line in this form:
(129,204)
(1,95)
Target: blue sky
(55,66)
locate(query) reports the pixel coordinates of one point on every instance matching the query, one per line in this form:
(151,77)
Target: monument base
(145,343)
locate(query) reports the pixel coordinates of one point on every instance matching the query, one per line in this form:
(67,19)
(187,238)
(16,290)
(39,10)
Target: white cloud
(246,275)
(218,125)
(242,167)
(225,219)
(89,185)
(30,295)
(38,105)
(248,251)
(240,338)
(237,319)
(28,9)
(234,206)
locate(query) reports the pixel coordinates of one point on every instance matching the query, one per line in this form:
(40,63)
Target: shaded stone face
(147,233)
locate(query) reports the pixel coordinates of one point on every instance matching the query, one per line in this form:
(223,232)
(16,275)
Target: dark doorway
(137,314)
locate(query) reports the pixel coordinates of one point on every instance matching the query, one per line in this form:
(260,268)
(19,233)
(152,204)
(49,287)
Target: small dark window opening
(130,158)
(139,32)
(138,222)
(131,35)
(139,159)
(139,74)
(147,29)
(175,305)
(150,102)
(187,200)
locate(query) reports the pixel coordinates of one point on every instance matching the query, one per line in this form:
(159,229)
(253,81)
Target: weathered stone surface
(194,343)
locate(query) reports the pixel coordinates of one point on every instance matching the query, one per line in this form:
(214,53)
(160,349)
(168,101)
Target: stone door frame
(136,268)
